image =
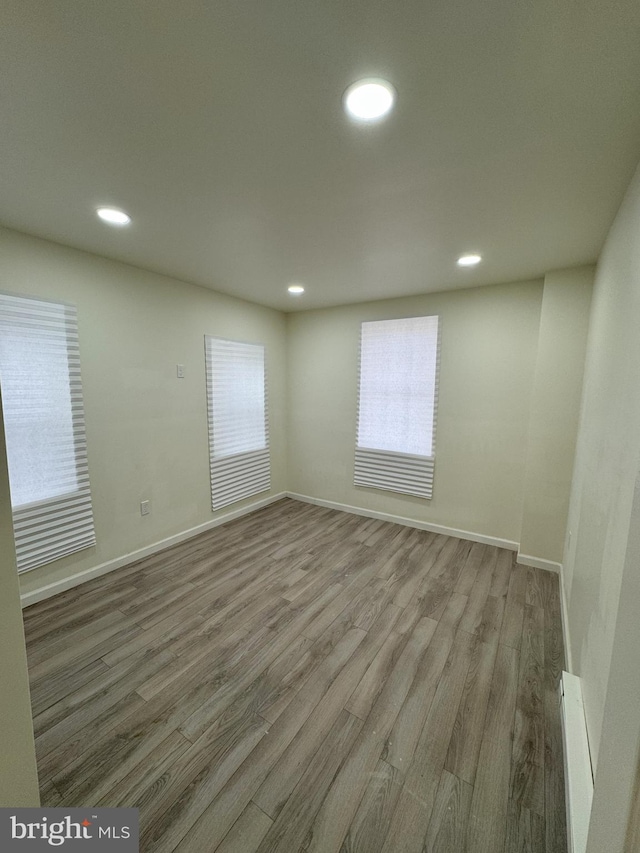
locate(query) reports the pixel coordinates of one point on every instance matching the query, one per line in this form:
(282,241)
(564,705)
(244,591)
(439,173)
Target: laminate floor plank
(451,562)
(123,677)
(247,832)
(294,820)
(308,680)
(368,828)
(344,603)
(92,647)
(488,630)
(50,797)
(141,784)
(66,647)
(225,646)
(502,573)
(69,605)
(291,678)
(433,597)
(379,534)
(534,593)
(410,821)
(55,732)
(156,595)
(341,803)
(76,754)
(469,571)
(472,618)
(243,674)
(289,672)
(54,625)
(382,593)
(163,635)
(280,782)
(511,631)
(135,742)
(197,777)
(150,612)
(397,552)
(468,729)
(525,831)
(99,752)
(139,737)
(448,825)
(527,775)
(369,686)
(49,691)
(405,734)
(487,826)
(219,817)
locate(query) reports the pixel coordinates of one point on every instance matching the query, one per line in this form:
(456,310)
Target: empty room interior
(320,423)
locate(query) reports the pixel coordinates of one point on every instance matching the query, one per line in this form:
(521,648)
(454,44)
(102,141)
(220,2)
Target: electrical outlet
(180,371)
(145,507)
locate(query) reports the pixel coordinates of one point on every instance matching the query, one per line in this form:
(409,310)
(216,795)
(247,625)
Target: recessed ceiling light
(370,99)
(113,216)
(296,289)
(469,260)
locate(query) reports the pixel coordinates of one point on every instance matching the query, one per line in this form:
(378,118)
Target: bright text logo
(102,830)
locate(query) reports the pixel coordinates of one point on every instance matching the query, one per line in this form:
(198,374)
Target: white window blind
(237,411)
(45,430)
(397,402)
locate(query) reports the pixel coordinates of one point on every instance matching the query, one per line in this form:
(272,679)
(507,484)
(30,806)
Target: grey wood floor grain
(303,679)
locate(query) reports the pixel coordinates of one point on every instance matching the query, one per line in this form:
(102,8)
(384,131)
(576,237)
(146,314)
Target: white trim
(538,563)
(564,612)
(64,584)
(408,522)
(577,763)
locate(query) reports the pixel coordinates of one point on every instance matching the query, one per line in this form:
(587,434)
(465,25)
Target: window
(237,411)
(397,405)
(44,427)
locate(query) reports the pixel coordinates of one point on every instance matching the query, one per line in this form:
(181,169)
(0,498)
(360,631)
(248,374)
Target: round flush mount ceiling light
(469,260)
(296,289)
(113,216)
(369,100)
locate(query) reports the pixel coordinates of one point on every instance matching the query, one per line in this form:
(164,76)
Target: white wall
(607,459)
(601,570)
(619,754)
(18,776)
(489,341)
(555,410)
(146,429)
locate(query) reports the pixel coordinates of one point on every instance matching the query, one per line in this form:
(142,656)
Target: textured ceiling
(218,126)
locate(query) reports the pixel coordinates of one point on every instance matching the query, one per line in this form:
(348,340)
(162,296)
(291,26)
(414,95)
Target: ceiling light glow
(369,100)
(296,289)
(113,216)
(469,260)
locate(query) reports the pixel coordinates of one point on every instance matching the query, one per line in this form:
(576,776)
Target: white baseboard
(409,522)
(577,763)
(62,585)
(538,563)
(564,612)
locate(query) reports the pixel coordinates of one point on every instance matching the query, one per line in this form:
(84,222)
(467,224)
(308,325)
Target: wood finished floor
(307,680)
